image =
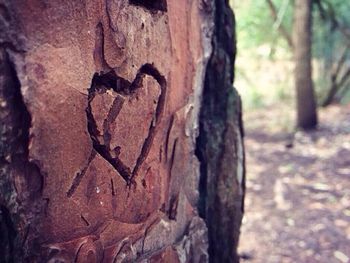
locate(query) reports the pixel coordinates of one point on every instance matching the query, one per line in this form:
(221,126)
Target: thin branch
(340,63)
(281,14)
(329,14)
(344,78)
(280,28)
(336,87)
(346,88)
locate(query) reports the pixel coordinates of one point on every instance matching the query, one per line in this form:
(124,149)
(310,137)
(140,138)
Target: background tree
(100,108)
(272,50)
(302,41)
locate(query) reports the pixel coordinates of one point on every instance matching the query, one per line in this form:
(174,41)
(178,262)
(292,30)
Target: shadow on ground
(298,191)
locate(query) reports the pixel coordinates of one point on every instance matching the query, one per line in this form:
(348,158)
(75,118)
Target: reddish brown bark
(106,98)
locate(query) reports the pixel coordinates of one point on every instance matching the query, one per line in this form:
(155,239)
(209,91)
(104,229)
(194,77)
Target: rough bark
(99,118)
(302,34)
(220,146)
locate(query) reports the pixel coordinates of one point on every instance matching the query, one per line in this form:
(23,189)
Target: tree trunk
(101,106)
(220,146)
(302,33)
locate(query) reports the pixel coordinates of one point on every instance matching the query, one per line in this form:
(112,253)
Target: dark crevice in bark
(172,157)
(8,235)
(25,197)
(112,188)
(218,165)
(202,188)
(152,5)
(174,201)
(168,136)
(4,12)
(86,222)
(10,46)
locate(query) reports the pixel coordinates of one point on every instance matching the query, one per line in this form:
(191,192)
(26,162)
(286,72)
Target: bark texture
(99,118)
(220,145)
(302,34)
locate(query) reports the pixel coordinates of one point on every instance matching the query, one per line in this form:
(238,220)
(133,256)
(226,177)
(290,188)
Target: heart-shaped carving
(103,128)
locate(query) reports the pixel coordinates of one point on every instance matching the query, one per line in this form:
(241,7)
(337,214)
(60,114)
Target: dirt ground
(298,194)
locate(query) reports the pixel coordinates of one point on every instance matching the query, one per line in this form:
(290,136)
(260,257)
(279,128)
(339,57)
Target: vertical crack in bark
(202,187)
(8,235)
(174,201)
(167,140)
(172,157)
(112,187)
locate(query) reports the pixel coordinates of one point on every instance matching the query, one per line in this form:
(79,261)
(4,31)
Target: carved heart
(111,135)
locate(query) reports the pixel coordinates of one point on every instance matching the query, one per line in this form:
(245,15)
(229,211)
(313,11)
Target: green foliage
(255,26)
(330,40)
(260,40)
(327,36)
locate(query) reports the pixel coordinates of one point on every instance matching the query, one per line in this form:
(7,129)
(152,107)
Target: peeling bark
(100,103)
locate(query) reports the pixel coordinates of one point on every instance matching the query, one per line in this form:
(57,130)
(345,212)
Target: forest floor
(297,206)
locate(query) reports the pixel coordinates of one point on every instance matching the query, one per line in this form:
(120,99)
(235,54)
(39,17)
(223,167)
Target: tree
(121,134)
(333,17)
(281,43)
(301,45)
(302,35)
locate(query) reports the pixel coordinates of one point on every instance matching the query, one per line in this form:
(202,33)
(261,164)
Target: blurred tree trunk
(302,39)
(100,107)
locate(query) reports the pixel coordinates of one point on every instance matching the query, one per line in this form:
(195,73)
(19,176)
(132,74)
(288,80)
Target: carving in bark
(99,118)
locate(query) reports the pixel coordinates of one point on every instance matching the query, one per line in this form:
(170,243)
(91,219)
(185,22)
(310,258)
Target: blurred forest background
(264,66)
(298,180)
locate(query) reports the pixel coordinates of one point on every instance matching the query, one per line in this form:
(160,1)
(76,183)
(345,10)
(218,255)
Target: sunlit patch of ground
(298,198)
